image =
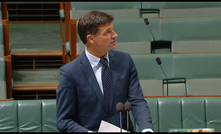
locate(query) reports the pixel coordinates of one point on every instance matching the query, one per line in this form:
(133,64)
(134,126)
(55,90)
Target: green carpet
(35,37)
(38,76)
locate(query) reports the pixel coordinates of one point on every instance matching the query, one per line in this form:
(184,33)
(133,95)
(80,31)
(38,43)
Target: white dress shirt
(96,66)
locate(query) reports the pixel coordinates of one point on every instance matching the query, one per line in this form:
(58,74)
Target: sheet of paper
(108,127)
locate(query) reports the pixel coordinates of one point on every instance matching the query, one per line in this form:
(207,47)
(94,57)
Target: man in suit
(81,100)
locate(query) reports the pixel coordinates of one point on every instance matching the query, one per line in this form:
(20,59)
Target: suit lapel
(89,74)
(113,64)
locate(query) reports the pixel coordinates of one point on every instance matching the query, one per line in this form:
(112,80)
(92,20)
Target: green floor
(35,36)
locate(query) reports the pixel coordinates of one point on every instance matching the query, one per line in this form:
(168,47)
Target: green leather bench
(28,116)
(184,112)
(181,9)
(129,40)
(148,9)
(186,35)
(187,112)
(201,72)
(118,9)
(2,48)
(3,86)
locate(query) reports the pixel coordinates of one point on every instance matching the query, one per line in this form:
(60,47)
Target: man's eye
(107,32)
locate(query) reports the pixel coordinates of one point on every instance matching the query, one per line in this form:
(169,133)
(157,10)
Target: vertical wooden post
(9,76)
(62,34)
(6,36)
(4,10)
(73,43)
(67,21)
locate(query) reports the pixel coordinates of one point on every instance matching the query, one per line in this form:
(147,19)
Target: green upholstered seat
(186,35)
(118,9)
(184,9)
(29,116)
(192,34)
(150,73)
(166,113)
(8,116)
(201,73)
(184,112)
(133,36)
(49,116)
(2,48)
(3,86)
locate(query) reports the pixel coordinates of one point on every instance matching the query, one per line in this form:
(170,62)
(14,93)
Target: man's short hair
(90,22)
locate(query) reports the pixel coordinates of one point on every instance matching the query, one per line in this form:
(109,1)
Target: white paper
(107,127)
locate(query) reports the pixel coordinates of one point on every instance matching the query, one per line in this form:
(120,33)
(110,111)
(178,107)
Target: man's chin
(113,47)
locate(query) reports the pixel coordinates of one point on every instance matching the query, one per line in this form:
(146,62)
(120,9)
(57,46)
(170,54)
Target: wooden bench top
(42,53)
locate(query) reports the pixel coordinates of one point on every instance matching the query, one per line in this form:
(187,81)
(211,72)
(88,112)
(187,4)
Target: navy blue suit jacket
(80,103)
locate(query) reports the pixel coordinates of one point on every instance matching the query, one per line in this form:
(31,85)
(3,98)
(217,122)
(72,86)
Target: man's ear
(90,38)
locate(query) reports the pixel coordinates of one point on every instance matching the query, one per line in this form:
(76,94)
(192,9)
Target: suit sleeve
(66,102)
(140,109)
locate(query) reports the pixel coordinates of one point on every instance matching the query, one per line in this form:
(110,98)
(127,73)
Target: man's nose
(115,34)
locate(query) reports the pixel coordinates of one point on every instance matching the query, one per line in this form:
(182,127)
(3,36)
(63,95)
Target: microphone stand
(127,107)
(166,79)
(120,123)
(127,121)
(120,108)
(159,63)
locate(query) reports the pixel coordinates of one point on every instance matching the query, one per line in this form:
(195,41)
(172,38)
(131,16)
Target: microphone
(147,23)
(120,108)
(159,63)
(163,45)
(127,107)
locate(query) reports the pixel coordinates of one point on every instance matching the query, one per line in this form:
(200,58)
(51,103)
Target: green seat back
(178,5)
(104,5)
(197,109)
(150,73)
(134,36)
(29,116)
(118,9)
(8,116)
(49,116)
(186,29)
(184,113)
(213,109)
(3,86)
(193,66)
(148,68)
(184,9)
(2,48)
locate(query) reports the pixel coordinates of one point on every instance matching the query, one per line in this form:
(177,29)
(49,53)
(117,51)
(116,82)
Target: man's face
(105,37)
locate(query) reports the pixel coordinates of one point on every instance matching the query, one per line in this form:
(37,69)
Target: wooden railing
(73,42)
(7,99)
